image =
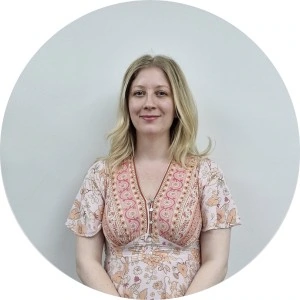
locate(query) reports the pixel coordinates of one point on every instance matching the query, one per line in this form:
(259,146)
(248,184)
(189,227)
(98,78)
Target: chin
(152,133)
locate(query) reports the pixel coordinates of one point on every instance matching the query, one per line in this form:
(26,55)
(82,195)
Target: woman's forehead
(151,76)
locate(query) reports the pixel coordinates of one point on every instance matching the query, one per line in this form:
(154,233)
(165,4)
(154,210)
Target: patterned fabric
(158,260)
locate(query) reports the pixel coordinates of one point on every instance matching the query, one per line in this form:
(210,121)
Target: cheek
(132,109)
(134,105)
(130,105)
(171,109)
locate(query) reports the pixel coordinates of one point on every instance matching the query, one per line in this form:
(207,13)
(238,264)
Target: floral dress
(152,248)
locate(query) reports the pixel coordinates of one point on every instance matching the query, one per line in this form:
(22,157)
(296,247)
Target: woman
(162,210)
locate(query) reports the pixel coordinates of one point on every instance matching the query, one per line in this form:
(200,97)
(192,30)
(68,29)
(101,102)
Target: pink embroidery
(189,200)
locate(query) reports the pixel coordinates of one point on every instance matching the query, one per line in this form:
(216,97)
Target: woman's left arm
(215,246)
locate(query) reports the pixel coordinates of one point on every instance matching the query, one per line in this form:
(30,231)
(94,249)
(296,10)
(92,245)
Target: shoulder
(209,169)
(201,162)
(98,165)
(98,168)
(208,163)
(203,165)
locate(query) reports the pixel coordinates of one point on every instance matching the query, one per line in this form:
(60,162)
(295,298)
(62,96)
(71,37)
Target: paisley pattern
(157,260)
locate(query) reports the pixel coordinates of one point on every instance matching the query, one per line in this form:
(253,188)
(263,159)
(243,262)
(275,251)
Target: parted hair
(183,131)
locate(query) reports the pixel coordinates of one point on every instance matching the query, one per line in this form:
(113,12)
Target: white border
(27,25)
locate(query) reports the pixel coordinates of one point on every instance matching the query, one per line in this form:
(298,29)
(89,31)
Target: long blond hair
(183,131)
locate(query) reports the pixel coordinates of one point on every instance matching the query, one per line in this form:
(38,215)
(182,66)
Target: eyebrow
(158,86)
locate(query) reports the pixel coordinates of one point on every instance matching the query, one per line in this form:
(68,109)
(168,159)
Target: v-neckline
(150,204)
(138,183)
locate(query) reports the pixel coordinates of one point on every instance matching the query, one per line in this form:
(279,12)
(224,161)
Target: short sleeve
(218,209)
(85,217)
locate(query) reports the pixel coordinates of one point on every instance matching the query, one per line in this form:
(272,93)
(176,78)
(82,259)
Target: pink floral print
(161,263)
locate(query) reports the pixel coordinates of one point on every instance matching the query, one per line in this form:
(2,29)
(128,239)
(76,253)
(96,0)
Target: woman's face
(151,104)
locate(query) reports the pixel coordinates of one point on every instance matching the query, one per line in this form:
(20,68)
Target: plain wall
(65,102)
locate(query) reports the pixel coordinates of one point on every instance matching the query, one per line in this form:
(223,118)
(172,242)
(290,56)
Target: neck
(152,148)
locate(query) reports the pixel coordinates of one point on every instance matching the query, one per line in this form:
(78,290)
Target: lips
(149,117)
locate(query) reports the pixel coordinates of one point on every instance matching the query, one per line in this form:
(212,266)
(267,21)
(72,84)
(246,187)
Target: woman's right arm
(89,264)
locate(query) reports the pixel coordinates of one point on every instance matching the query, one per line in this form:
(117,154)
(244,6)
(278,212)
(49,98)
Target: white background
(26,26)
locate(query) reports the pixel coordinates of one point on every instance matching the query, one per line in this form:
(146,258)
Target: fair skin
(152,111)
(214,256)
(89,264)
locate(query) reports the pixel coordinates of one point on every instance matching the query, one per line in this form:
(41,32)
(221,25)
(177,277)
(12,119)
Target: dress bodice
(176,214)
(153,251)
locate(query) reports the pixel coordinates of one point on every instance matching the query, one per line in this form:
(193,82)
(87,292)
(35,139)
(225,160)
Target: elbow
(218,269)
(85,267)
(82,269)
(79,269)
(223,271)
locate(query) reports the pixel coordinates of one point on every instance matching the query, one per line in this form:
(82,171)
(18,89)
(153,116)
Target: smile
(149,118)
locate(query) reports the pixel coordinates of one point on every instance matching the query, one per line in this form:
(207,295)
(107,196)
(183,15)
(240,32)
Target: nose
(149,101)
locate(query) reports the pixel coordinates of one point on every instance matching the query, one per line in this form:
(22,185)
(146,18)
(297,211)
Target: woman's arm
(215,246)
(89,264)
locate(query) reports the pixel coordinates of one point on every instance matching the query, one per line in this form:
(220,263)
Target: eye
(139,93)
(161,93)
